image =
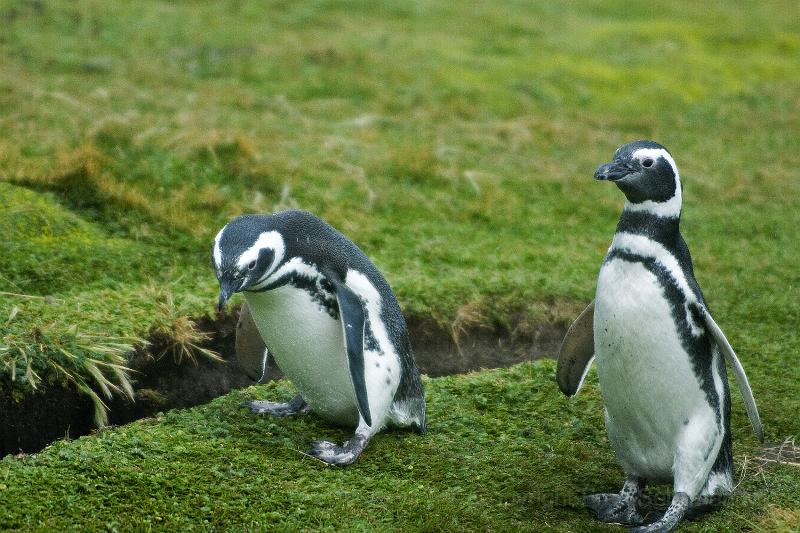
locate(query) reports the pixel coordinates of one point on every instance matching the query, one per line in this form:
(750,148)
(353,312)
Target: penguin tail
(409,413)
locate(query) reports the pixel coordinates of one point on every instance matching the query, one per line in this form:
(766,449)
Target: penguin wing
(741,377)
(352,314)
(251,352)
(576,353)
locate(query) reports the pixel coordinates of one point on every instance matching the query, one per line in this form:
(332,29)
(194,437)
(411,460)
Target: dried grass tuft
(91,363)
(469,316)
(183,340)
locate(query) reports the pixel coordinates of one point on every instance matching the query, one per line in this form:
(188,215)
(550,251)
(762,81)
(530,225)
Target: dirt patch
(41,417)
(439,351)
(161,383)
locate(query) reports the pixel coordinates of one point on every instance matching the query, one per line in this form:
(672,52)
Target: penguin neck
(663,229)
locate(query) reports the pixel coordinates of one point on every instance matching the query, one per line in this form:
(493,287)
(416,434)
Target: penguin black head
(246,251)
(646,173)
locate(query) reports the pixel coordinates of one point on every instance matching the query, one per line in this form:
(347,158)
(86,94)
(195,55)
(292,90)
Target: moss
(505,451)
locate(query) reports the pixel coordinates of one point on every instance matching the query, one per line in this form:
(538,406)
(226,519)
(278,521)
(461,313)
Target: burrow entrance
(161,384)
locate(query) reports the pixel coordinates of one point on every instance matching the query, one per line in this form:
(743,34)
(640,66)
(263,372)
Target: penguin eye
(647,163)
(251,265)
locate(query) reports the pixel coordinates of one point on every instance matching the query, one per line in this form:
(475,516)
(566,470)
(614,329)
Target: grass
(505,452)
(454,145)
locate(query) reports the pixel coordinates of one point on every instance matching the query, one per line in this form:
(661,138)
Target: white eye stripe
(655,153)
(217,250)
(269,239)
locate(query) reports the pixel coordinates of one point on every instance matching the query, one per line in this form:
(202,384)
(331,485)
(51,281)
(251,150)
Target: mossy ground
(505,452)
(455,145)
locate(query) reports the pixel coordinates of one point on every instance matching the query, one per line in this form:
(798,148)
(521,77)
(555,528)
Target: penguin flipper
(576,353)
(741,377)
(251,351)
(353,321)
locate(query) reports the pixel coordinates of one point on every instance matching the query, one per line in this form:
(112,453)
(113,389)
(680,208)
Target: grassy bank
(505,452)
(455,146)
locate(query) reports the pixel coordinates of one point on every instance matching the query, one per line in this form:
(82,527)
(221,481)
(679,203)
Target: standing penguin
(330,321)
(660,355)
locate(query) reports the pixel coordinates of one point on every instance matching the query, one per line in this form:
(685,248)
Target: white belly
(308,346)
(649,388)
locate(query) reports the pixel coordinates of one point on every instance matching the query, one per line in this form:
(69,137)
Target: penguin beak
(227,288)
(613,171)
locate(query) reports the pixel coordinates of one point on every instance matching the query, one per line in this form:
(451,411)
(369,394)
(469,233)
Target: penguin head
(246,252)
(646,173)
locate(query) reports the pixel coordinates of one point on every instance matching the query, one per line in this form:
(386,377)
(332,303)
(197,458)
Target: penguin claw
(332,454)
(323,445)
(613,509)
(651,528)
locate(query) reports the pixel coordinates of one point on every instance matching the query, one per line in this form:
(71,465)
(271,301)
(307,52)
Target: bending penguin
(660,355)
(329,319)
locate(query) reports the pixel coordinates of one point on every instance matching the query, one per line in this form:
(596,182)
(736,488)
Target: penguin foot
(613,509)
(263,407)
(334,454)
(702,505)
(340,455)
(622,508)
(668,522)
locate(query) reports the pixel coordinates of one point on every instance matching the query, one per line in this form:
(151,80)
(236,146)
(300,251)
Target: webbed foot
(263,407)
(704,504)
(613,509)
(334,454)
(668,522)
(622,508)
(339,455)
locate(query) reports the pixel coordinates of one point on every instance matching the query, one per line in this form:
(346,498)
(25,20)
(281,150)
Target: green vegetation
(505,452)
(455,145)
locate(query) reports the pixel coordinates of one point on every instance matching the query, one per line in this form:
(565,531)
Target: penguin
(251,352)
(660,355)
(330,321)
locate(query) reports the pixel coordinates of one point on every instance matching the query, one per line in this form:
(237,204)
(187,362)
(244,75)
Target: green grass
(505,452)
(454,144)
